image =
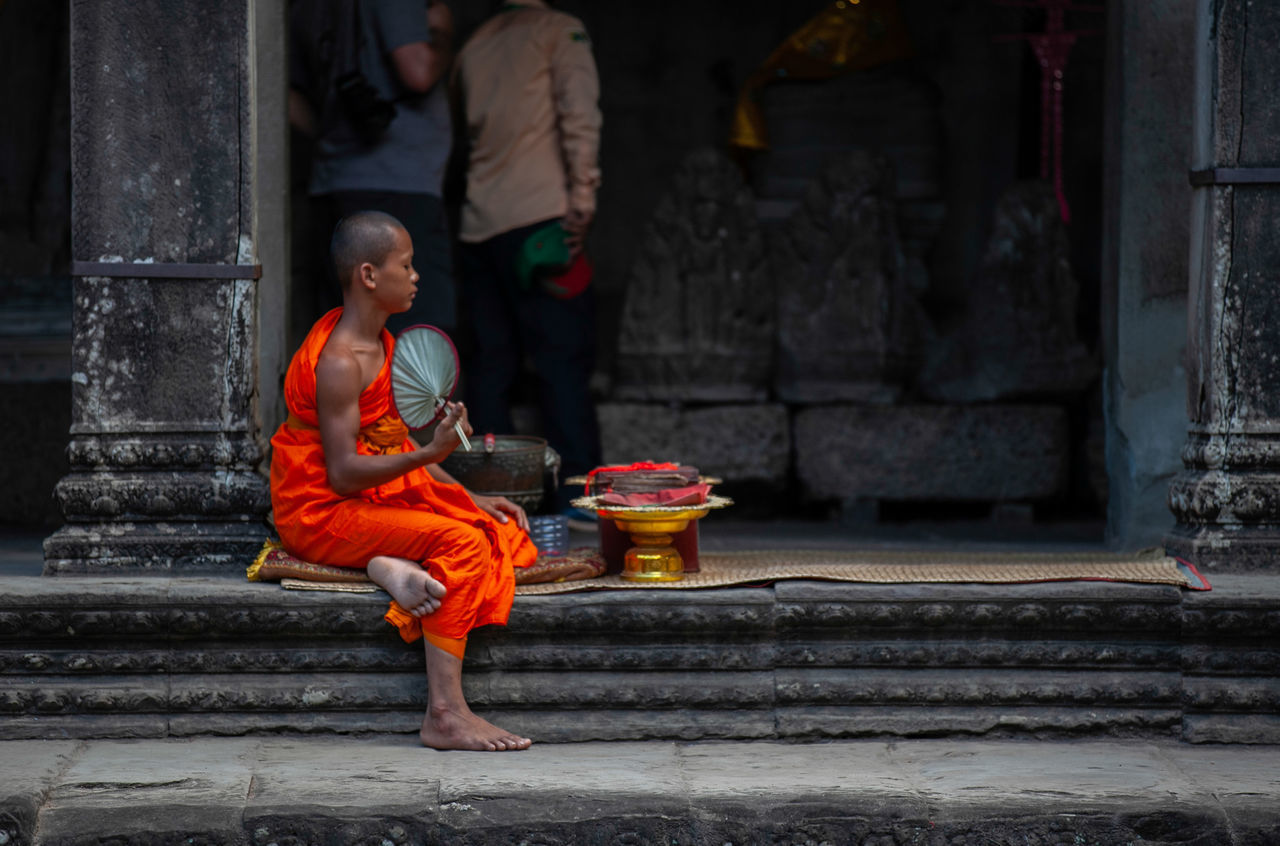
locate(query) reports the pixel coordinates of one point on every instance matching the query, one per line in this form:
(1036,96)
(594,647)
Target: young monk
(350,488)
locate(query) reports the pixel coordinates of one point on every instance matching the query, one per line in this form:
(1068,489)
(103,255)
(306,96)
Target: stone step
(384,790)
(166,656)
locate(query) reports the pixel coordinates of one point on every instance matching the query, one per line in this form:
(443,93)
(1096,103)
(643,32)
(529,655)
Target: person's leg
(494,363)
(408,583)
(473,587)
(456,556)
(449,722)
(560,335)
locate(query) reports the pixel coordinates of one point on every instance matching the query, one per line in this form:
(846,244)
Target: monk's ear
(366,275)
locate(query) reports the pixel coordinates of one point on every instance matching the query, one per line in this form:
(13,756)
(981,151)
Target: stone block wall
(866,401)
(746,443)
(799,457)
(993,453)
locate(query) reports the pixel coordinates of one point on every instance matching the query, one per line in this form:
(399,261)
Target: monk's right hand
(445,438)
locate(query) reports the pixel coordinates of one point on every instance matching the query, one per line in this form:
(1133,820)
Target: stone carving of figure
(1018,336)
(697,320)
(846,320)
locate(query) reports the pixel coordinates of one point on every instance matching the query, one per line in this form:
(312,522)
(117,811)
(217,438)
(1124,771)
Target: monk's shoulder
(338,366)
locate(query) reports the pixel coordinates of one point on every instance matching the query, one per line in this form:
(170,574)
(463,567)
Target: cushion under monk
(581,563)
(274,563)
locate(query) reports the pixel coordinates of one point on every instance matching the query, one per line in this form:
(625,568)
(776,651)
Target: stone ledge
(541,652)
(930,792)
(177,694)
(1009,721)
(150,656)
(988,688)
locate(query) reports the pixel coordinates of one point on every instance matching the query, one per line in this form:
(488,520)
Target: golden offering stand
(651,527)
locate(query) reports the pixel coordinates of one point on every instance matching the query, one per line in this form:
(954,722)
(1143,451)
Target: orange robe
(413,516)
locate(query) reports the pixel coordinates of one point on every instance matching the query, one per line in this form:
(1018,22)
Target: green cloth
(542,251)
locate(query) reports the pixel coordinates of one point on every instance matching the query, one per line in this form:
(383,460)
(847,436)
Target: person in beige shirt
(528,89)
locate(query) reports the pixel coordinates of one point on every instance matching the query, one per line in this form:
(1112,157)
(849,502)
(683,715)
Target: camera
(367,111)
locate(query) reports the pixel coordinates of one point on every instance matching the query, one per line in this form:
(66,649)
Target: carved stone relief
(847,323)
(1018,334)
(698,318)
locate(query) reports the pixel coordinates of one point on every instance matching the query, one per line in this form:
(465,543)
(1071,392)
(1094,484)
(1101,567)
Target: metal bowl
(513,469)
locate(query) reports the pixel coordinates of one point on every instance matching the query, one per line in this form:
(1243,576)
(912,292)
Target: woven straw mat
(721,569)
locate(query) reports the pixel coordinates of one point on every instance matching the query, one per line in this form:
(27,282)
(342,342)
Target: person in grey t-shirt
(405,48)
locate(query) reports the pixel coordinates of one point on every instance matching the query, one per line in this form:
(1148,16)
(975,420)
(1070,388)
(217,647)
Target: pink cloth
(690,495)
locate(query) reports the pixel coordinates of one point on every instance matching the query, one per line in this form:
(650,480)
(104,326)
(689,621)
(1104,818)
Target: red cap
(572,282)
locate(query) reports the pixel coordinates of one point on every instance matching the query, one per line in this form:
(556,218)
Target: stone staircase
(111,657)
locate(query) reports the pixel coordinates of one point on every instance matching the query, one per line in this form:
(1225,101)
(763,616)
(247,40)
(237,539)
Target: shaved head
(365,236)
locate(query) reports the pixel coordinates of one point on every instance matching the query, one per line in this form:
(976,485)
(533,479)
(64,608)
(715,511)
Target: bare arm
(338,386)
(576,91)
(441,475)
(435,470)
(420,65)
(498,507)
(301,116)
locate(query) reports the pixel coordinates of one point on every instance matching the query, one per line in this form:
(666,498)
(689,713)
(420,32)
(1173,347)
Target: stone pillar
(1227,501)
(1146,227)
(165,447)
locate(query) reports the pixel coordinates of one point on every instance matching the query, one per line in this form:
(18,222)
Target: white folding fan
(424,372)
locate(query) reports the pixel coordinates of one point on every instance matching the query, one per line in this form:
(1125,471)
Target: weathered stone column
(164,441)
(1146,227)
(1227,501)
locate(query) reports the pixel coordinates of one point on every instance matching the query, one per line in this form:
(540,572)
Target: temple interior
(889,313)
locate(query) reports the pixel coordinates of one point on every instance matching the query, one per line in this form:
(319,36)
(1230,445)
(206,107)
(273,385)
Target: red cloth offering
(646,483)
(689,495)
(625,468)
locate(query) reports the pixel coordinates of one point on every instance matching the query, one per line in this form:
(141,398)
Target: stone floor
(387,790)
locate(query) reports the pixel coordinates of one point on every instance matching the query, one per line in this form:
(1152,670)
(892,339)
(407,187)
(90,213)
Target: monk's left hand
(498,507)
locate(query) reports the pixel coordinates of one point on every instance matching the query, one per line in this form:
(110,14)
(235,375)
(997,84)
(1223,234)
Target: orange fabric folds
(414,516)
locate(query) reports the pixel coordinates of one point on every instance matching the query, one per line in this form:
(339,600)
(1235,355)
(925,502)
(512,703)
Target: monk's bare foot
(408,584)
(444,728)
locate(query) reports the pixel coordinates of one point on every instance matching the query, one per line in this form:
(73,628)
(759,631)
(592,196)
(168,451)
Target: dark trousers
(423,217)
(557,336)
